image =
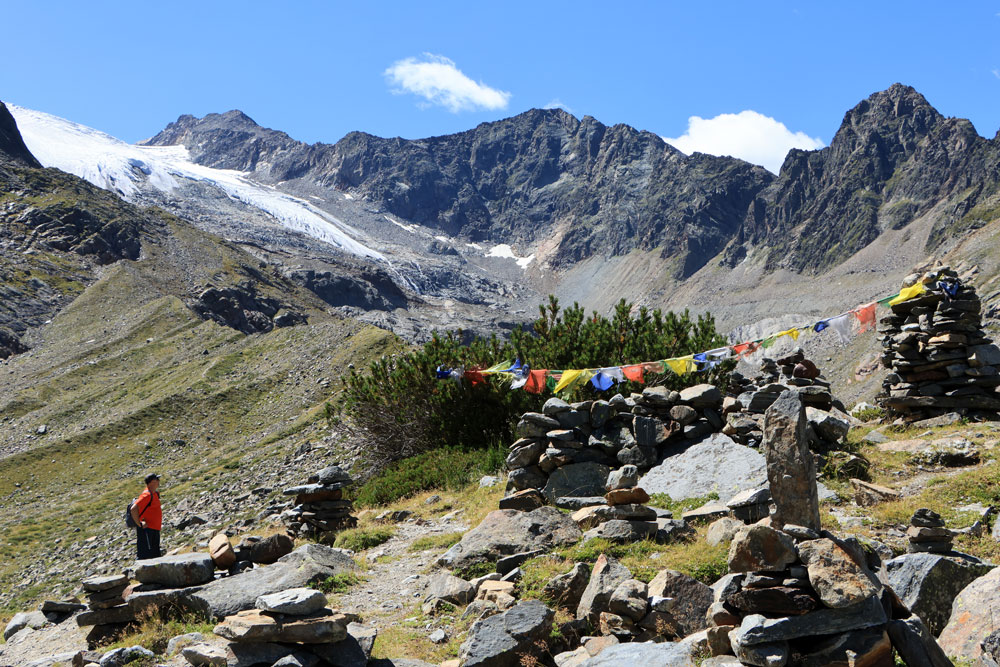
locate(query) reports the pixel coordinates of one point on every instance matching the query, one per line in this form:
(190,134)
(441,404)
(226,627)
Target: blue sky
(320,69)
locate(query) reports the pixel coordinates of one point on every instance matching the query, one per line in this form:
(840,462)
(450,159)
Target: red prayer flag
(633,373)
(866,316)
(536,382)
(744,349)
(475,377)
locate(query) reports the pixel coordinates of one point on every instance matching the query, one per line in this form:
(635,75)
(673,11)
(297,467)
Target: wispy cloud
(996,72)
(440,83)
(558,104)
(747,135)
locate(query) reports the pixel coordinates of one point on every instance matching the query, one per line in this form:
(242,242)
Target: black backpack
(129,522)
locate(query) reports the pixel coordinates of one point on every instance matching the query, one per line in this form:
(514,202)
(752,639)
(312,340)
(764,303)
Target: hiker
(148,518)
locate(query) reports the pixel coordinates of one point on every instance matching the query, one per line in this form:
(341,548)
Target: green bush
(400,409)
(359,539)
(444,468)
(337,583)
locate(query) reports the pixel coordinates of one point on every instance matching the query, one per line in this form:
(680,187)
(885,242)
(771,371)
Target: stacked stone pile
(107,610)
(796,594)
(927,533)
(939,358)
(290,627)
(568,450)
(320,506)
(621,515)
(749,398)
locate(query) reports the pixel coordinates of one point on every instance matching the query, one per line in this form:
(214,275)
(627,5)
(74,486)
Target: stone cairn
(293,626)
(927,533)
(939,358)
(793,372)
(796,594)
(107,610)
(320,506)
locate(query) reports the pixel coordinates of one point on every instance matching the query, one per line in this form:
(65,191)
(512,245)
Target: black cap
(151,476)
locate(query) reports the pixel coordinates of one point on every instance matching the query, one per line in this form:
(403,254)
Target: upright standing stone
(791,471)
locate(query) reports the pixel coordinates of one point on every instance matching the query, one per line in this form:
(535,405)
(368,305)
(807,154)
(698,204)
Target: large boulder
(605,577)
(294,601)
(576,479)
(791,470)
(22,620)
(716,464)
(508,532)
(453,590)
(758,629)
(503,640)
(177,571)
(973,617)
(271,548)
(929,583)
(693,599)
(839,581)
(307,564)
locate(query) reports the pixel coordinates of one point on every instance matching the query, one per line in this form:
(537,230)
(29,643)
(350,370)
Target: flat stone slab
(305,565)
(294,601)
(716,464)
(98,584)
(253,625)
(664,654)
(177,571)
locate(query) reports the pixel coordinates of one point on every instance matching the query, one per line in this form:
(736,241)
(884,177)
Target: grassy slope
(128,379)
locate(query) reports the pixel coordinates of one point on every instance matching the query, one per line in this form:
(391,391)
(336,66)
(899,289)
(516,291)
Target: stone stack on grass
(796,594)
(621,516)
(927,533)
(940,360)
(294,627)
(569,449)
(107,612)
(320,506)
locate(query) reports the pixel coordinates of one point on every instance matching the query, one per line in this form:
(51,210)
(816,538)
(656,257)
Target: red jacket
(148,507)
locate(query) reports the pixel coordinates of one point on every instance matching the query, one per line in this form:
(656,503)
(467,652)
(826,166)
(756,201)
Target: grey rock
(757,629)
(578,502)
(915,644)
(576,479)
(600,411)
(438,636)
(643,457)
(929,583)
(61,606)
(827,425)
(271,548)
(766,654)
(755,548)
(205,655)
(508,563)
(451,589)
(353,651)
(294,601)
(605,576)
(307,564)
(693,599)
(839,581)
(332,475)
(683,414)
(716,464)
(722,530)
(502,640)
(298,659)
(180,641)
(526,455)
(565,590)
(702,396)
(791,470)
(99,584)
(120,657)
(249,654)
(622,531)
(555,406)
(629,600)
(526,478)
(624,478)
(661,654)
(507,532)
(179,571)
(24,619)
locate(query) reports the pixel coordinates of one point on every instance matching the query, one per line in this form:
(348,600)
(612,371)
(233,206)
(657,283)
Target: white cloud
(996,73)
(747,135)
(558,104)
(441,83)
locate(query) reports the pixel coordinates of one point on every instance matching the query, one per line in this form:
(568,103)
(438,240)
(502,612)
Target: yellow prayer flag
(794,333)
(681,365)
(907,293)
(572,378)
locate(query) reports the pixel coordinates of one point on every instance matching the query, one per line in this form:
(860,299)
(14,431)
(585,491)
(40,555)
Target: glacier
(115,165)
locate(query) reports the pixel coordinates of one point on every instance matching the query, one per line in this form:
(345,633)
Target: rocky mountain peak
(12,146)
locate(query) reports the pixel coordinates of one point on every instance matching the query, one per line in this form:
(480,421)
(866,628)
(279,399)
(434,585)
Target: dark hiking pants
(148,541)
